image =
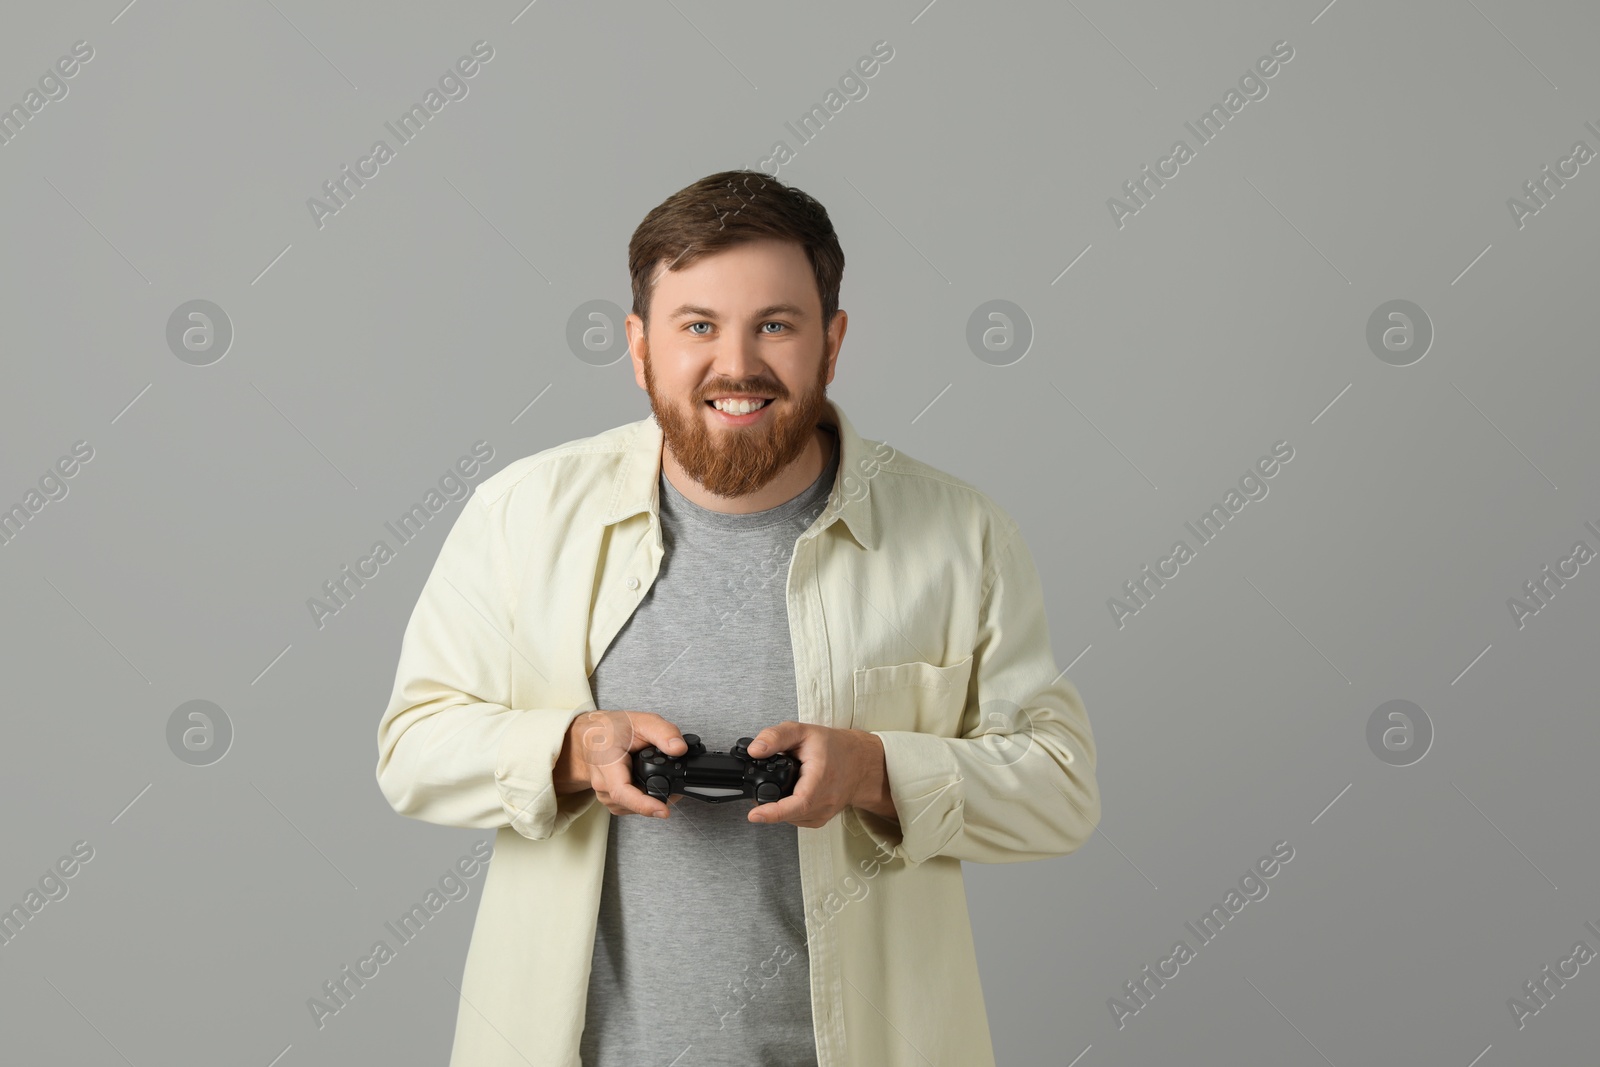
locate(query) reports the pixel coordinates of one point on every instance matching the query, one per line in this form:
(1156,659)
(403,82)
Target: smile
(740,411)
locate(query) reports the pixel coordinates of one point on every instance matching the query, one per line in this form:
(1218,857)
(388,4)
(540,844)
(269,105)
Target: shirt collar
(636,486)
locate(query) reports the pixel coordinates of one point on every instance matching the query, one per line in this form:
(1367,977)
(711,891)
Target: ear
(638,347)
(835,341)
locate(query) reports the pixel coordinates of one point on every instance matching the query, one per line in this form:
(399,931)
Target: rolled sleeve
(524,769)
(926,786)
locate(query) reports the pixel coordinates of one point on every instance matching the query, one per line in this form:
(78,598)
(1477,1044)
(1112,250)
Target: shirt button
(633,583)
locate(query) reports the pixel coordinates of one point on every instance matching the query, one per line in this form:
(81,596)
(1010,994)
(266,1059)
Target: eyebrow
(761,313)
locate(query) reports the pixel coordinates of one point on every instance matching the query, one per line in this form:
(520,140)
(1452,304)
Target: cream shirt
(915,612)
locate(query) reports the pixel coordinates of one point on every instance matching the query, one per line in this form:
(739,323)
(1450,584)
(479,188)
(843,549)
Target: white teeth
(737,406)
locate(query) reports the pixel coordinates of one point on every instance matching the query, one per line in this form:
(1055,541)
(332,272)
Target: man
(740,564)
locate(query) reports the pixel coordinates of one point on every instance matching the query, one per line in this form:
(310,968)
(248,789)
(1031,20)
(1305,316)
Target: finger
(779,738)
(789,808)
(612,806)
(777,811)
(794,806)
(631,797)
(664,735)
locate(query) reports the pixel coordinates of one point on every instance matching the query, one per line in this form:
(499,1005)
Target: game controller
(715,777)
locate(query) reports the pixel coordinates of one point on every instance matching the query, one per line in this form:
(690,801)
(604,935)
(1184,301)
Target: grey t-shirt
(701,942)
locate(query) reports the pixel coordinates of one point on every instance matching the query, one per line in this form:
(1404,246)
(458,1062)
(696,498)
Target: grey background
(1228,314)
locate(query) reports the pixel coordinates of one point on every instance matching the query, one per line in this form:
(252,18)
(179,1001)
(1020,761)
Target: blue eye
(697,333)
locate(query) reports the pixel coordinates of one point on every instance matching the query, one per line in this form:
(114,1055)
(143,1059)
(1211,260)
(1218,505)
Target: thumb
(666,737)
(777,738)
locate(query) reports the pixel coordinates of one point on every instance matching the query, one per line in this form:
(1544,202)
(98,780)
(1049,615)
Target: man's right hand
(598,754)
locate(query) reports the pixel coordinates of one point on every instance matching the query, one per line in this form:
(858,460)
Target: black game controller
(715,777)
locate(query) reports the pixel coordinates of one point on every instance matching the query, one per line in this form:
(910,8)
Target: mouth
(741,417)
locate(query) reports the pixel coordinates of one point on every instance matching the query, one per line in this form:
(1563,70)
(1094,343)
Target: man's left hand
(838,769)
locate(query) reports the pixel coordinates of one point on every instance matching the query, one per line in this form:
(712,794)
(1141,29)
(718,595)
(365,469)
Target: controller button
(767,792)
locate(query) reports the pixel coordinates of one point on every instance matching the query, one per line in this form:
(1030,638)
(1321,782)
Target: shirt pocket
(911,696)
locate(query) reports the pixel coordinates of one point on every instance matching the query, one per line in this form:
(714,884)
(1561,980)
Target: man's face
(745,322)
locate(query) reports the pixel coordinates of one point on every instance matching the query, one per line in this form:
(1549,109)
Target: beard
(734,461)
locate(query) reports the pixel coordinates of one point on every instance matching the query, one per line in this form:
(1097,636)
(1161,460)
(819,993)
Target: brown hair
(726,209)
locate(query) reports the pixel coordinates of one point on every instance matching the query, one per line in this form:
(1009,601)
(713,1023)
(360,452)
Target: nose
(739,360)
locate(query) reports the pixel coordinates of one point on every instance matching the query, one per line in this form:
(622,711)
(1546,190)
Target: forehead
(741,278)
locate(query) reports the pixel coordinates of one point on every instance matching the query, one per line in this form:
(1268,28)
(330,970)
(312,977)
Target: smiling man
(740,564)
